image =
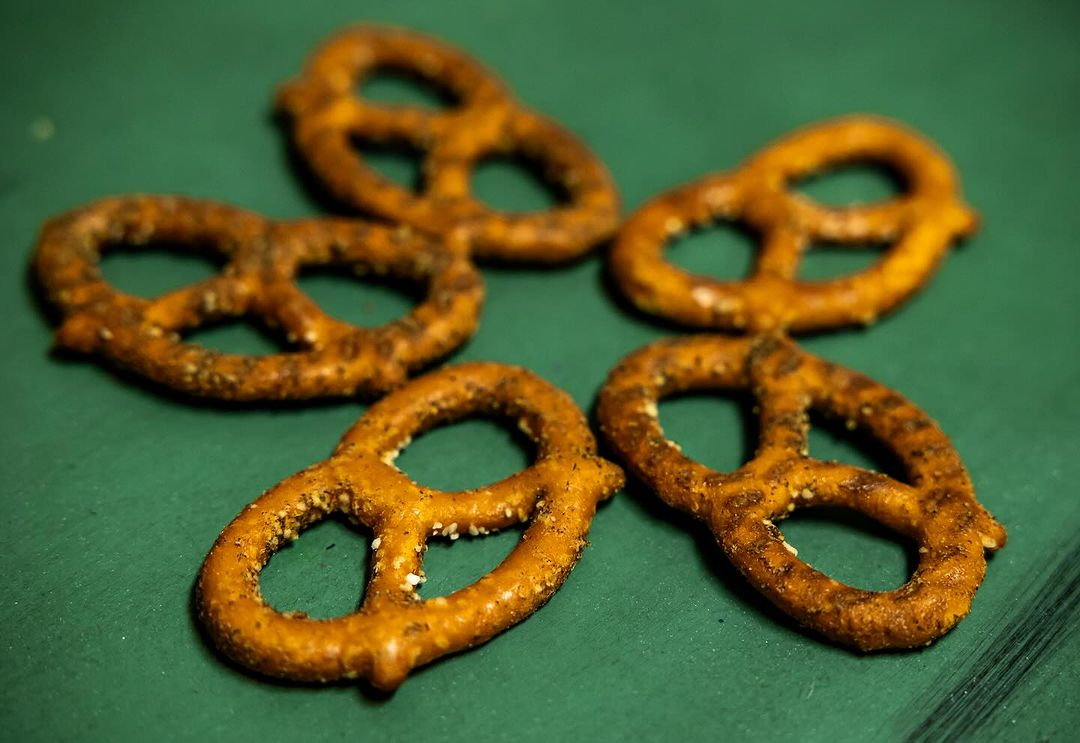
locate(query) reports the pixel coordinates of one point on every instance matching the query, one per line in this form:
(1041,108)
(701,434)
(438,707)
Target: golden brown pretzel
(920,225)
(395,631)
(328,115)
(263,257)
(937,509)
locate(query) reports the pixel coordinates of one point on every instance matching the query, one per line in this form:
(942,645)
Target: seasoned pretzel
(328,117)
(394,630)
(937,509)
(263,257)
(920,225)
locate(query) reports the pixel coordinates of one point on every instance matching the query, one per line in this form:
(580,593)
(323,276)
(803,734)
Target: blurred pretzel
(919,226)
(395,630)
(262,257)
(936,508)
(483,121)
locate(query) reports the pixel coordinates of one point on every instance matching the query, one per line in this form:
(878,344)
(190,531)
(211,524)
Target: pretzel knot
(937,509)
(920,226)
(394,630)
(483,121)
(262,259)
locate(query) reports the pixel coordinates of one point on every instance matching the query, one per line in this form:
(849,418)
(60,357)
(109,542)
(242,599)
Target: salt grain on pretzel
(919,227)
(484,120)
(395,630)
(936,508)
(262,257)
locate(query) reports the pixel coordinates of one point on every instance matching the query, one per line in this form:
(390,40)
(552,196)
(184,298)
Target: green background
(114,492)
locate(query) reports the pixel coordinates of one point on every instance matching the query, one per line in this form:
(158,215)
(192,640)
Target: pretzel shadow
(35,297)
(318,197)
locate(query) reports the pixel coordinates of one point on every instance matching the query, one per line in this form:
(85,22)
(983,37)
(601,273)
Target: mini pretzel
(263,258)
(328,116)
(937,509)
(920,225)
(394,630)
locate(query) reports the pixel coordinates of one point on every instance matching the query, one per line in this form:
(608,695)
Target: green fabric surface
(113,492)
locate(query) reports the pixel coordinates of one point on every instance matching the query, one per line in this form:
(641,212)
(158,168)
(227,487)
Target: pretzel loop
(920,226)
(328,118)
(394,630)
(937,509)
(263,258)
(340,65)
(931,184)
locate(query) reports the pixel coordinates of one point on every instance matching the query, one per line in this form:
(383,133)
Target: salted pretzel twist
(936,508)
(262,260)
(485,120)
(394,630)
(919,227)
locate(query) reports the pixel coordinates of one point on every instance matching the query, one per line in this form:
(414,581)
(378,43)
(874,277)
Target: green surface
(113,492)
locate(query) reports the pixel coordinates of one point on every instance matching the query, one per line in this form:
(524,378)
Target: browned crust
(936,509)
(919,227)
(395,631)
(486,120)
(262,259)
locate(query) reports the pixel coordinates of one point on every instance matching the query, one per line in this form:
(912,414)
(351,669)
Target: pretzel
(920,225)
(327,116)
(394,630)
(937,509)
(143,336)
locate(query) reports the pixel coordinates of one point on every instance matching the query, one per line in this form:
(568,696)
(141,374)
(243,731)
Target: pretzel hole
(852,183)
(323,572)
(466,454)
(834,439)
(159,267)
(402,87)
(238,335)
(722,250)
(359,299)
(717,429)
(824,261)
(850,547)
(517,184)
(450,566)
(399,163)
